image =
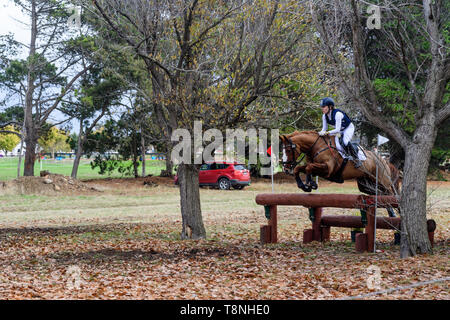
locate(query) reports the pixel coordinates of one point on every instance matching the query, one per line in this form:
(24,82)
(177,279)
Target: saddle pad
(361,155)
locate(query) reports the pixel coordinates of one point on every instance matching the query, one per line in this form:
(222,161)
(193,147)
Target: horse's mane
(308,132)
(301,132)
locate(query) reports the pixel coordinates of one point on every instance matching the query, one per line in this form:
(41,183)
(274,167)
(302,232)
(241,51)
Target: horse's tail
(396,177)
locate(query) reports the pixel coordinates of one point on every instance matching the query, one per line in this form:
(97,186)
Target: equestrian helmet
(326,102)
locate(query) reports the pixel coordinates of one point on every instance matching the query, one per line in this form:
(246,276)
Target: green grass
(8,168)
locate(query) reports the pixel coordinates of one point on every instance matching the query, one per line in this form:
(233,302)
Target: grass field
(8,168)
(125,244)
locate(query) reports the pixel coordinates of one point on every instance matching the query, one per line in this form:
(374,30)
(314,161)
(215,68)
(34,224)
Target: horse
(324,160)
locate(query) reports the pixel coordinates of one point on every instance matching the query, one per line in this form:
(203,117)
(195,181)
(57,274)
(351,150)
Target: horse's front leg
(310,182)
(300,183)
(314,168)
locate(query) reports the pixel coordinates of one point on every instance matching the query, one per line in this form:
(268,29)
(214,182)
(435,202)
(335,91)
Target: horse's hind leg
(391,212)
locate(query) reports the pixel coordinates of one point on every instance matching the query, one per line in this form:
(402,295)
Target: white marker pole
(380,141)
(376,206)
(271,169)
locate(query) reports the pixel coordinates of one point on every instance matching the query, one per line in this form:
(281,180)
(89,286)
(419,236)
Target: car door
(203,174)
(220,171)
(212,173)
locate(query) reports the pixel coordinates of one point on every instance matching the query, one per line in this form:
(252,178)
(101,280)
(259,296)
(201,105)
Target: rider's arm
(339,116)
(324,123)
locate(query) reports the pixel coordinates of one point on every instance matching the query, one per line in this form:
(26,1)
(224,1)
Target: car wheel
(224,184)
(238,187)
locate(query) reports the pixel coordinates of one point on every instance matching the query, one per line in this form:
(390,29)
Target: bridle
(293,163)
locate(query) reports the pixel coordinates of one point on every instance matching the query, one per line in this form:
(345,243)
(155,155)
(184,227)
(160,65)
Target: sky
(9,14)
(10,17)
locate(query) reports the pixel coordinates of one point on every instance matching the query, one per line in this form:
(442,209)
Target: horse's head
(291,151)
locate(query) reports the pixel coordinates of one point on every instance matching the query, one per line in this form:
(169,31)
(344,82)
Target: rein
(329,147)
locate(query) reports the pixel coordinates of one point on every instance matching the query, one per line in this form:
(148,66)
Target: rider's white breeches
(347,136)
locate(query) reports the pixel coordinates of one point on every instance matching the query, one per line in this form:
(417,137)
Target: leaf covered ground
(124,244)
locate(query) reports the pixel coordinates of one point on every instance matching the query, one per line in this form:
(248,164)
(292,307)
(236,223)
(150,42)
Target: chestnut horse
(324,160)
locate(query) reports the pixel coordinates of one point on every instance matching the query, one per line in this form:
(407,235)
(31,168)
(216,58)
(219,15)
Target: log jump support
(321,224)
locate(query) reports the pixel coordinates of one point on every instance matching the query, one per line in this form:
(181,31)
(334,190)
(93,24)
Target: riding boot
(348,152)
(351,150)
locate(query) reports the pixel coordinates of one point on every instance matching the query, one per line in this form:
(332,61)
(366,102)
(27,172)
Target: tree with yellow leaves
(8,139)
(54,140)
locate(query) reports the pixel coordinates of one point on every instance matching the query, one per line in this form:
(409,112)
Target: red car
(223,175)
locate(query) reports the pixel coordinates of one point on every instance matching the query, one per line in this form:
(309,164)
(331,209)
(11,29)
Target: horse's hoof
(307,189)
(314,186)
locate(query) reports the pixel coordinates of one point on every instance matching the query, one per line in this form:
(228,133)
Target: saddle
(351,152)
(351,146)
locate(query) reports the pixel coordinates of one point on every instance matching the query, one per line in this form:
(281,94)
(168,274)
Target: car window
(204,167)
(239,167)
(212,166)
(222,166)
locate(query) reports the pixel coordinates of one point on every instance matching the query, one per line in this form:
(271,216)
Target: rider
(343,127)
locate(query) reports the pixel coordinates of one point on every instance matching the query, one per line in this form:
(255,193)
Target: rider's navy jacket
(345,120)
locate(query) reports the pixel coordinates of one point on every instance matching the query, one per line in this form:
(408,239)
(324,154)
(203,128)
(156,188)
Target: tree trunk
(31,130)
(169,164)
(76,161)
(30,154)
(414,200)
(80,141)
(135,165)
(191,212)
(135,158)
(143,153)
(20,155)
(76,164)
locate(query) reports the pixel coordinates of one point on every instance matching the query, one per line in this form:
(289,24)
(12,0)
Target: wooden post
(370,228)
(265,234)
(431,237)
(325,233)
(273,224)
(361,242)
(307,235)
(317,235)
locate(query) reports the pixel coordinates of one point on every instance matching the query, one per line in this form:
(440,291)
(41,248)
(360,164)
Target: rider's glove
(322,133)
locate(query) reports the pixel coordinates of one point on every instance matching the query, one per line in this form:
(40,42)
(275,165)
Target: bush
(107,165)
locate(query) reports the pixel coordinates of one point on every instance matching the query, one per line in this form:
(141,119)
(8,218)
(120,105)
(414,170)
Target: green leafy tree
(97,94)
(56,59)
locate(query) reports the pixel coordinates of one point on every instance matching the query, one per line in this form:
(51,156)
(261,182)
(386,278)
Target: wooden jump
(321,224)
